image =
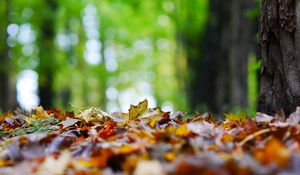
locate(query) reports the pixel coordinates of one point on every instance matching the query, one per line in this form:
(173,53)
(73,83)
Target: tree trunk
(220,79)
(209,69)
(46,54)
(280,54)
(4,87)
(7,96)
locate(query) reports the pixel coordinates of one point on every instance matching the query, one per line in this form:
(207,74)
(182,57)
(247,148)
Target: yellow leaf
(170,156)
(85,163)
(127,149)
(154,120)
(40,112)
(32,118)
(5,163)
(237,118)
(143,106)
(183,131)
(135,111)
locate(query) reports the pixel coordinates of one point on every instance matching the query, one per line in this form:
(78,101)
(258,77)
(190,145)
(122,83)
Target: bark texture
(220,79)
(279,43)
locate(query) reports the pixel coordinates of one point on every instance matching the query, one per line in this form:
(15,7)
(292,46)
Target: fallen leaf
(236,118)
(274,151)
(152,167)
(262,118)
(5,163)
(203,128)
(294,118)
(93,115)
(52,166)
(170,156)
(183,131)
(135,111)
(68,122)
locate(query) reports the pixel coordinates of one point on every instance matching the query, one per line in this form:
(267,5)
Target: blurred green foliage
(111,53)
(136,41)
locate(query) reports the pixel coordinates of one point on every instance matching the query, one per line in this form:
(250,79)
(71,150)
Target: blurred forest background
(188,55)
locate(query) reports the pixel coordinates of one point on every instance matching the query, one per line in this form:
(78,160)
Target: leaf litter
(147,141)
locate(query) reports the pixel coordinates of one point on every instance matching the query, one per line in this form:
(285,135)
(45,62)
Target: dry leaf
(68,122)
(149,168)
(52,166)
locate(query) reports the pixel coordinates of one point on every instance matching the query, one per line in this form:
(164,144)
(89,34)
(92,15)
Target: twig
(252,136)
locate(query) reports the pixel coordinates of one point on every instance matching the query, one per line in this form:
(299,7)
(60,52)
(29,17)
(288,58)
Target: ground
(147,141)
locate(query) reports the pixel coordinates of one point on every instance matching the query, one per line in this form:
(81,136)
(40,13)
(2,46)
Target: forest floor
(147,141)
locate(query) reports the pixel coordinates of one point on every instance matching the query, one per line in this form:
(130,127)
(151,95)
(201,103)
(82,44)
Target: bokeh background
(188,55)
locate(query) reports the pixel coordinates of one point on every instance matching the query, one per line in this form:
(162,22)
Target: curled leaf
(93,115)
(262,118)
(294,118)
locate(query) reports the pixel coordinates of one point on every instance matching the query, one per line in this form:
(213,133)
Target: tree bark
(279,43)
(46,54)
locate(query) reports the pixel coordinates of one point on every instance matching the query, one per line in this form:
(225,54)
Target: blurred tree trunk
(4,61)
(220,75)
(7,96)
(280,54)
(46,54)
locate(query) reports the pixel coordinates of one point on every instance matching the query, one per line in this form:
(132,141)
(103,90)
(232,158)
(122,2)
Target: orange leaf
(274,151)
